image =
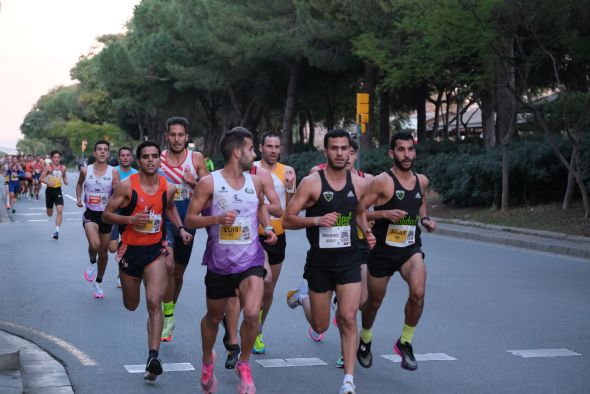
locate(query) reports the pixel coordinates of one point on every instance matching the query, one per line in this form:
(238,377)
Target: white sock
(348,378)
(300,298)
(57,229)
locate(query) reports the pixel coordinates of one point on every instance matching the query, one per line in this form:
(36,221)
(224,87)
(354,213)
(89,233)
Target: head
(402,150)
(270,147)
(38,158)
(14,160)
(238,144)
(354,147)
(177,134)
(101,151)
(148,157)
(125,156)
(55,157)
(337,147)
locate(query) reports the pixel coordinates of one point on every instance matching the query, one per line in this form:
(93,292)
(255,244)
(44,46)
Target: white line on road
(39,220)
(169,367)
(82,357)
(421,357)
(543,353)
(290,362)
(71,198)
(39,214)
(78,219)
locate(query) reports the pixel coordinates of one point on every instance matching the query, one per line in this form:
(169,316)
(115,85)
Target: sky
(40,41)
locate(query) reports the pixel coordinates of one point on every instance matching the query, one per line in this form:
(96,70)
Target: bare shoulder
(198,157)
(310,181)
(314,170)
(423,180)
(123,187)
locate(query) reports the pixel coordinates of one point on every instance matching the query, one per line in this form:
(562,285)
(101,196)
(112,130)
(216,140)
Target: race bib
(181,193)
(97,199)
(238,233)
(151,227)
(13,176)
(334,237)
(400,236)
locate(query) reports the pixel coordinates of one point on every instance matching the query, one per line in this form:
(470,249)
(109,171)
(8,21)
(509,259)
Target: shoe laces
(245,372)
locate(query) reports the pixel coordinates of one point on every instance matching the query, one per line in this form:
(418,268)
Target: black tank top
(405,232)
(344,232)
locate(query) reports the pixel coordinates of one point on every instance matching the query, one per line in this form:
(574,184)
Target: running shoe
(13,210)
(208,379)
(55,234)
(364,355)
(405,351)
(167,330)
(118,282)
(334,306)
(340,362)
(90,273)
(293,296)
(98,292)
(233,353)
(246,385)
(316,337)
(259,347)
(347,388)
(153,369)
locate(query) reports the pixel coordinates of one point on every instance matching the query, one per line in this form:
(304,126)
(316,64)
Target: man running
(37,170)
(12,175)
(97,182)
(399,197)
(182,168)
(330,198)
(139,205)
(234,203)
(53,175)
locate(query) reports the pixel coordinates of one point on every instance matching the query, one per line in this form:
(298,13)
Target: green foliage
(303,162)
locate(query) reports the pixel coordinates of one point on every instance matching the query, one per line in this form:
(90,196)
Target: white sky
(40,41)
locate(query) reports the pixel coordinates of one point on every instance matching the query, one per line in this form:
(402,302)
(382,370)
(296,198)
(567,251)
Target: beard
(335,166)
(400,165)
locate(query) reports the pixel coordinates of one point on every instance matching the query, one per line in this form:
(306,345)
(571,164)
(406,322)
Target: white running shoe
(98,292)
(90,273)
(347,388)
(293,296)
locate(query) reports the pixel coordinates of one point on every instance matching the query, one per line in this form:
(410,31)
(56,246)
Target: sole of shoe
(99,296)
(88,278)
(404,365)
(291,305)
(167,339)
(210,388)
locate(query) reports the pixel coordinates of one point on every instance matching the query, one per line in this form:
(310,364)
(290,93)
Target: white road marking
(42,214)
(543,353)
(290,362)
(71,198)
(168,367)
(421,357)
(38,220)
(78,219)
(82,357)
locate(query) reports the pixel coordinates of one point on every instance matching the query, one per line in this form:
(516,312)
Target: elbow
(287,225)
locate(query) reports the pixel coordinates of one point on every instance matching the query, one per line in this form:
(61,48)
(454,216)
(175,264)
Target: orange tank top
(154,205)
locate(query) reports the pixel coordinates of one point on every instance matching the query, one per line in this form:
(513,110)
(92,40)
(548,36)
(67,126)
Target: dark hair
(354,145)
(124,148)
(53,152)
(177,120)
(145,144)
(400,135)
(336,133)
(233,139)
(102,142)
(268,134)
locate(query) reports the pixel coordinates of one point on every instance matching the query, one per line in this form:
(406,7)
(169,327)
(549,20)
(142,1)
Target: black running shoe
(364,355)
(153,368)
(233,353)
(405,351)
(55,235)
(225,334)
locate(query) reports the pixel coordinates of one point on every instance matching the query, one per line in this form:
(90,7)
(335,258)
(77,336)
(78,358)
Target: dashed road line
(290,362)
(529,353)
(168,367)
(71,198)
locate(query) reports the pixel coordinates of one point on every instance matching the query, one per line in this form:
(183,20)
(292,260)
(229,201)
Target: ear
(390,153)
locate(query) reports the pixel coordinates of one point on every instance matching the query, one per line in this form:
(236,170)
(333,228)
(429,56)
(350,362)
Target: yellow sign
(362,110)
(84,145)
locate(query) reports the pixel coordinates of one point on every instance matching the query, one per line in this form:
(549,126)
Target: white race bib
(334,237)
(97,199)
(400,236)
(239,233)
(151,227)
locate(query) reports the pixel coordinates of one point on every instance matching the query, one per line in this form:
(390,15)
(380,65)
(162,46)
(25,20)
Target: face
(338,152)
(247,154)
(101,153)
(14,160)
(149,160)
(55,159)
(351,160)
(403,155)
(177,138)
(125,158)
(271,149)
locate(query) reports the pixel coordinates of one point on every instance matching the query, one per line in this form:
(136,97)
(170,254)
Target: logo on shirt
(328,196)
(400,194)
(418,195)
(222,190)
(236,198)
(350,194)
(249,191)
(222,203)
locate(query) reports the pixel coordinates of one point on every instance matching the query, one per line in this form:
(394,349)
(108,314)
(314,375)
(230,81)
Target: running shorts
(322,278)
(53,196)
(276,252)
(133,259)
(91,216)
(224,286)
(182,252)
(381,265)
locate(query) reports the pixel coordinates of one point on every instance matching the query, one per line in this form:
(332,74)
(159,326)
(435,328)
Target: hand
(393,215)
(328,220)
(186,236)
(141,219)
(271,237)
(289,181)
(370,239)
(227,218)
(189,178)
(429,225)
(79,203)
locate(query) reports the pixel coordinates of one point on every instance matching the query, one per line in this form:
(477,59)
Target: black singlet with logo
(342,201)
(406,200)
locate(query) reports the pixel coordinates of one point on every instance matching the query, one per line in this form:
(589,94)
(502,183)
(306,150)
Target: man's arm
(427,223)
(200,199)
(268,188)
(44,174)
(64,175)
(120,196)
(79,186)
(116,177)
(263,216)
(199,163)
(376,191)
(305,196)
(291,181)
(174,217)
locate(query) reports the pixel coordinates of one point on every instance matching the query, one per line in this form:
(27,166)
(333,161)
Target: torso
(55,175)
(123,175)
(175,175)
(97,188)
(278,180)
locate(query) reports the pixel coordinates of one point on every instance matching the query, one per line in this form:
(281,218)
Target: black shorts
(381,265)
(91,216)
(224,286)
(276,252)
(134,258)
(53,196)
(364,252)
(322,277)
(182,252)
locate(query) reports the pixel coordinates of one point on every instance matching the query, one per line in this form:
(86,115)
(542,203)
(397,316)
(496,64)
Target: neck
(176,155)
(403,174)
(149,179)
(233,170)
(100,166)
(124,168)
(334,173)
(267,166)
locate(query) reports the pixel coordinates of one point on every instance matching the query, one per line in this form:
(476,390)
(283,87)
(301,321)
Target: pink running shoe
(314,335)
(246,385)
(208,380)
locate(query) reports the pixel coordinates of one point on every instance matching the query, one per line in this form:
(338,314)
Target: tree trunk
(311,127)
(569,191)
(287,135)
(421,112)
(437,107)
(384,118)
(447,115)
(301,128)
(371,75)
(488,122)
(457,120)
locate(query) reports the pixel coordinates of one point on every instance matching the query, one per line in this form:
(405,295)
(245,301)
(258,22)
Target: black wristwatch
(424,218)
(181,228)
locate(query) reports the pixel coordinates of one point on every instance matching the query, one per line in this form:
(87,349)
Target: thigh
(91,231)
(349,297)
(105,238)
(377,286)
(414,271)
(155,278)
(275,271)
(250,292)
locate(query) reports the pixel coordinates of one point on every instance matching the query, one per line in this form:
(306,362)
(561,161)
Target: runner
(399,197)
(37,170)
(29,176)
(182,168)
(144,199)
(234,203)
(12,175)
(53,175)
(97,181)
(330,199)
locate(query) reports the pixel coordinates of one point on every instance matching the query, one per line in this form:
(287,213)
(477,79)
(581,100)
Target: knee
(346,319)
(251,317)
(417,295)
(320,326)
(154,304)
(113,249)
(94,245)
(213,319)
(130,305)
(373,302)
(103,254)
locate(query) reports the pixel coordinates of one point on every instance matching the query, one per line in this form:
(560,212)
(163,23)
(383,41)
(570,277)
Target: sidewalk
(25,367)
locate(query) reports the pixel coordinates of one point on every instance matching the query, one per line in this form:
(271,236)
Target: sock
(93,261)
(300,298)
(366,335)
(98,280)
(407,334)
(348,378)
(260,321)
(168,309)
(153,353)
(57,229)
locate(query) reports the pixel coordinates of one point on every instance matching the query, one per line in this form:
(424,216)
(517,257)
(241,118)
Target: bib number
(151,227)
(97,199)
(13,177)
(240,233)
(334,237)
(181,193)
(400,236)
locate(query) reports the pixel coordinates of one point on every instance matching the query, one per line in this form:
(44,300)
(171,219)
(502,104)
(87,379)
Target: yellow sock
(169,308)
(407,334)
(366,335)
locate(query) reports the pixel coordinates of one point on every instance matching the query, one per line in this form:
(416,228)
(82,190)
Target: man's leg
(155,282)
(319,304)
(130,290)
(376,289)
(270,282)
(58,218)
(210,326)
(348,304)
(168,302)
(250,295)
(91,231)
(103,254)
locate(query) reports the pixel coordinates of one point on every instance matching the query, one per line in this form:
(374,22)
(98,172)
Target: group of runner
(361,230)
(22,175)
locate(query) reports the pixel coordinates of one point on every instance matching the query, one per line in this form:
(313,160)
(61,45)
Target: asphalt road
(482,301)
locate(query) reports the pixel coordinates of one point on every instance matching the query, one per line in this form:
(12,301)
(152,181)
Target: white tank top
(97,189)
(175,175)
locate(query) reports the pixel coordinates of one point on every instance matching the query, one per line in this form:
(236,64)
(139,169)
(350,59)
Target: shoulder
(423,180)
(197,156)
(310,181)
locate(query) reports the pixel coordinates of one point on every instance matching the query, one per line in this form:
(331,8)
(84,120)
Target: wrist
(316,221)
(423,219)
(180,228)
(269,229)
